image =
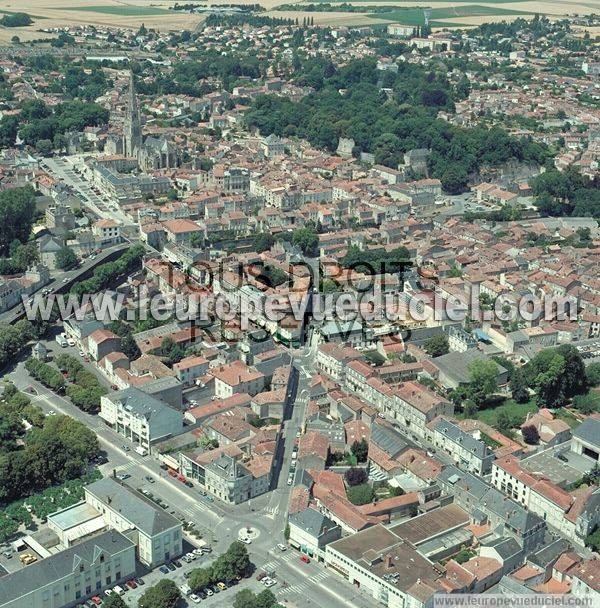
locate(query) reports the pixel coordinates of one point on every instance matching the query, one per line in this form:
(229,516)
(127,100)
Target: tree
(16,20)
(307,240)
(530,434)
(113,601)
(265,599)
(17,210)
(164,594)
(504,423)
(65,258)
(263,242)
(574,378)
(518,386)
(593,540)
(454,179)
(355,477)
(360,449)
(483,376)
(593,374)
(244,599)
(437,345)
(360,495)
(200,578)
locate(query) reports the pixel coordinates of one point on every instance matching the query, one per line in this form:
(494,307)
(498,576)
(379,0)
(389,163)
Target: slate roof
(589,431)
(59,565)
(312,522)
(132,506)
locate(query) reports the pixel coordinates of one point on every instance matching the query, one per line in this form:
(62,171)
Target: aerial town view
(299,303)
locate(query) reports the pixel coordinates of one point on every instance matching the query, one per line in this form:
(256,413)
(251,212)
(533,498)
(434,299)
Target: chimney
(388,561)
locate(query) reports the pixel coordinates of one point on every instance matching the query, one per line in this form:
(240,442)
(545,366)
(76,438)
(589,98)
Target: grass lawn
(414,16)
(566,416)
(517,411)
(126,10)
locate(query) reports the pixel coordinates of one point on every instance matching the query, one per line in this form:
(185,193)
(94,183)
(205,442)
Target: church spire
(132,131)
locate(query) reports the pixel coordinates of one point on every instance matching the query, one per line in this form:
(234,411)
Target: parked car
(261,575)
(140,581)
(96,599)
(177,563)
(131,584)
(171,566)
(195,598)
(270,582)
(209,592)
(164,570)
(281,547)
(221,586)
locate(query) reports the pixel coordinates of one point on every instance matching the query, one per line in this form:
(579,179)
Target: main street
(62,169)
(299,584)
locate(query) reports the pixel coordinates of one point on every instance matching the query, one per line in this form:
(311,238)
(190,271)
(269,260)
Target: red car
(96,599)
(131,584)
(305,559)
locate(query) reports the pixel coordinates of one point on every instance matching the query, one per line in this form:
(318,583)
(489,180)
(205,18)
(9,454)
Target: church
(152,153)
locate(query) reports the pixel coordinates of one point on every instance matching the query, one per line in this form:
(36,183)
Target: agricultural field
(117,13)
(121,10)
(444,13)
(156,13)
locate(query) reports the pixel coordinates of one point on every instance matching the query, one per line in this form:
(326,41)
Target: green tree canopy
(164,594)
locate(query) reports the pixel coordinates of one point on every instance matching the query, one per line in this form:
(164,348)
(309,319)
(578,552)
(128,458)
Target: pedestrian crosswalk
(300,588)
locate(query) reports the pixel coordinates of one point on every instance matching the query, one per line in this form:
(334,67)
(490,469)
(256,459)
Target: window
(108,580)
(117,575)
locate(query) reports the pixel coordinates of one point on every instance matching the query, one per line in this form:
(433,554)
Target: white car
(198,552)
(191,556)
(209,592)
(66,280)
(281,547)
(108,592)
(246,541)
(195,598)
(269,582)
(119,590)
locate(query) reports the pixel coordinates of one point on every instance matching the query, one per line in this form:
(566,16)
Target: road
(63,280)
(62,169)
(299,584)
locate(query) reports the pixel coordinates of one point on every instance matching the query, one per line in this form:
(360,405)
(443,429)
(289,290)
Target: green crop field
(126,10)
(414,16)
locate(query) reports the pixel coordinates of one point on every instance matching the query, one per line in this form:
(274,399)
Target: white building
(71,576)
(140,417)
(156,533)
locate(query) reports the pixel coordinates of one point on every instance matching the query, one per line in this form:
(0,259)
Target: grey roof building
(454,368)
(586,439)
(311,532)
(140,417)
(467,452)
(505,516)
(388,440)
(72,575)
(140,512)
(157,533)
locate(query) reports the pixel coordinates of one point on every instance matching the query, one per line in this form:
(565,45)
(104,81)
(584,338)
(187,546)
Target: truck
(62,340)
(141,451)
